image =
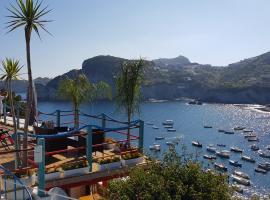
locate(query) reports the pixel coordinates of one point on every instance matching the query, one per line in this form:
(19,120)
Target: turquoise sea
(188,122)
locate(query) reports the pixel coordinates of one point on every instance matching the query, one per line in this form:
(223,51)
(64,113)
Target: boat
(248,158)
(264,154)
(254,147)
(155,127)
(168,126)
(235,163)
(251,135)
(221,130)
(206,126)
(239,128)
(241,174)
(228,132)
(265,166)
(168,122)
(240,180)
(253,139)
(221,145)
(220,166)
(259,170)
(149,123)
(238,188)
(236,149)
(211,149)
(171,129)
(155,147)
(268,147)
(247,131)
(159,138)
(170,143)
(223,154)
(210,157)
(196,143)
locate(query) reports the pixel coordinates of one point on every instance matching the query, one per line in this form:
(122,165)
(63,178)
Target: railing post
(141,134)
(41,168)
(103,122)
(58,118)
(89,147)
(5,113)
(18,116)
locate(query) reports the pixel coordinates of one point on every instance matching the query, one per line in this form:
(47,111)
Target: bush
(108,160)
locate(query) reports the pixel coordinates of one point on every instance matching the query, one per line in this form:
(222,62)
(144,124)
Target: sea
(189,122)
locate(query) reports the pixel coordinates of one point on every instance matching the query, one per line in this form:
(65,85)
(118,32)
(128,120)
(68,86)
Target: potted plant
(109,163)
(132,158)
(52,173)
(75,168)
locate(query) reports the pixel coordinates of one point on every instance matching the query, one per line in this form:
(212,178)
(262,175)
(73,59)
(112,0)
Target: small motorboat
(221,130)
(253,139)
(228,132)
(168,122)
(197,144)
(159,138)
(155,147)
(241,174)
(210,148)
(259,170)
(247,131)
(251,135)
(171,129)
(236,149)
(207,126)
(149,123)
(239,128)
(240,180)
(248,158)
(265,166)
(220,166)
(235,163)
(264,154)
(223,154)
(209,157)
(221,145)
(254,147)
(168,126)
(155,127)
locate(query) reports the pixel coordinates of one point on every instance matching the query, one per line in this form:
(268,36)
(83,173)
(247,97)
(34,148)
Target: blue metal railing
(17,185)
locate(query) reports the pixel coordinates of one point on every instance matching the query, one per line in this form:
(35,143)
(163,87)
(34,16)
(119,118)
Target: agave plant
(29,15)
(11,69)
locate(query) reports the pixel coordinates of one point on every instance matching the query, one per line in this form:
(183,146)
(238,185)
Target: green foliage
(109,160)
(131,155)
(170,179)
(11,69)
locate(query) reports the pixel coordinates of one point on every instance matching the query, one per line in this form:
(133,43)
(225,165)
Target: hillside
(247,81)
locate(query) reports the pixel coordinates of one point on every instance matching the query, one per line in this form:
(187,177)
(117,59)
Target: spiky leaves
(11,69)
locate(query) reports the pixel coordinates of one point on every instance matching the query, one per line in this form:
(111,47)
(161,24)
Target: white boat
(239,128)
(264,154)
(149,123)
(236,149)
(251,135)
(168,122)
(238,188)
(171,130)
(210,148)
(248,158)
(240,180)
(254,147)
(253,139)
(265,166)
(241,174)
(155,127)
(223,154)
(159,138)
(210,157)
(260,170)
(247,131)
(196,143)
(155,147)
(220,166)
(168,126)
(235,163)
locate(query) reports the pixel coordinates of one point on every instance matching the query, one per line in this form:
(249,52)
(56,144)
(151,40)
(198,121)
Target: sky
(216,32)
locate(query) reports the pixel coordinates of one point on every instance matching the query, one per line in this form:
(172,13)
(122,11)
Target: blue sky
(216,32)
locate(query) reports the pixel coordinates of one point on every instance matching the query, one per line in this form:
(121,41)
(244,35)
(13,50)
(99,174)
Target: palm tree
(28,14)
(128,88)
(80,90)
(11,69)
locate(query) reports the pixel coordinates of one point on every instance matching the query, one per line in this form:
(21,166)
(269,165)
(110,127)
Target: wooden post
(141,135)
(58,118)
(41,168)
(18,116)
(5,113)
(89,147)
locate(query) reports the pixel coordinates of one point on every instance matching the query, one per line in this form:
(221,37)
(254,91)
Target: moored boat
(196,143)
(155,147)
(159,138)
(247,131)
(223,154)
(235,163)
(211,149)
(241,174)
(238,188)
(240,180)
(259,170)
(253,139)
(220,166)
(251,135)
(239,128)
(210,157)
(268,147)
(170,143)
(155,127)
(248,158)
(171,129)
(168,122)
(265,166)
(236,149)
(221,145)
(254,147)
(207,126)
(221,130)
(149,123)
(264,154)
(228,132)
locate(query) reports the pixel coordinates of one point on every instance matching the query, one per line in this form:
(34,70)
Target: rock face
(247,81)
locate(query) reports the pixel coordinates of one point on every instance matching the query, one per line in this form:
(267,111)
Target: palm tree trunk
(29,94)
(128,134)
(76,116)
(14,124)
